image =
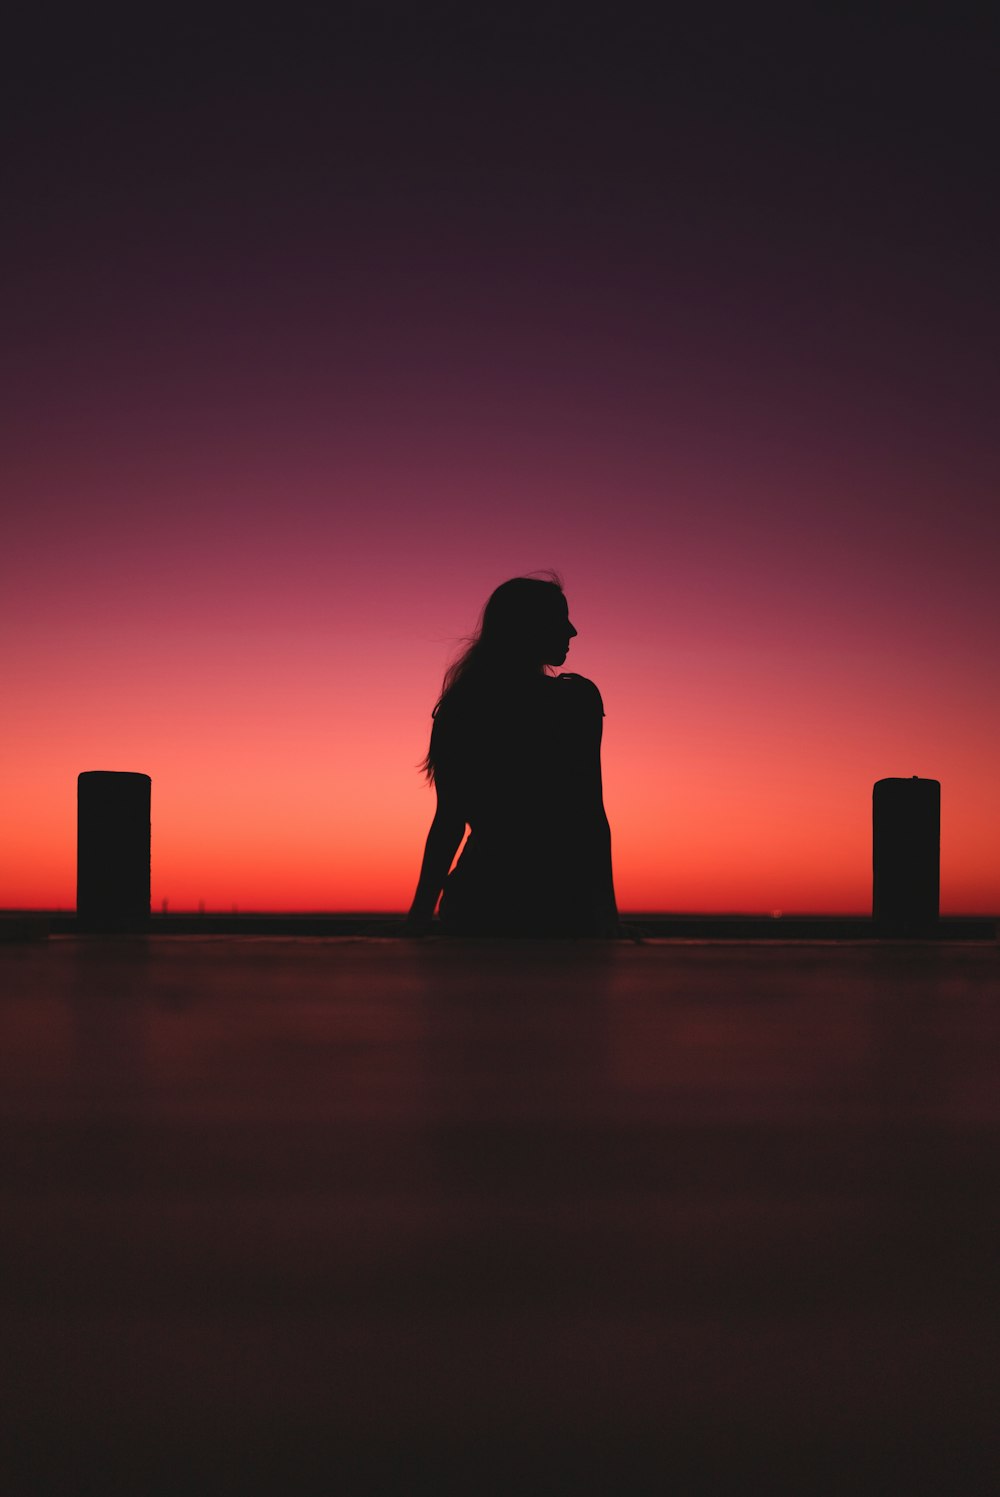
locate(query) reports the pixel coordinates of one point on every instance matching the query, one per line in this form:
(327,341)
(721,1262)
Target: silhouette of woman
(515,755)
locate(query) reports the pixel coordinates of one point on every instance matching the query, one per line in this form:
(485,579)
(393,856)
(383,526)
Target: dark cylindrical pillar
(112,849)
(906,856)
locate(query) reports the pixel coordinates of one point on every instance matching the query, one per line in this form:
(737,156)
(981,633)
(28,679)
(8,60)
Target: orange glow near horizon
(304,850)
(282,728)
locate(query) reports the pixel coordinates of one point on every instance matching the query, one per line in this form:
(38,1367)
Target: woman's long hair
(504,644)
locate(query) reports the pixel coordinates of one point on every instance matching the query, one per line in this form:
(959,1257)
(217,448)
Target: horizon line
(233,911)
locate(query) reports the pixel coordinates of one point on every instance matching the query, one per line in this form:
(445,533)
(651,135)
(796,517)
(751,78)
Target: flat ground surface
(332,1215)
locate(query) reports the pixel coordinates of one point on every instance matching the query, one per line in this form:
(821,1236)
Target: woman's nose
(572,632)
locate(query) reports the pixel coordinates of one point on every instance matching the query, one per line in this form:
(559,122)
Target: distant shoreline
(375,924)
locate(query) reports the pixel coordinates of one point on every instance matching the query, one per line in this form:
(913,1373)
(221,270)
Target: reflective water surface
(352,1215)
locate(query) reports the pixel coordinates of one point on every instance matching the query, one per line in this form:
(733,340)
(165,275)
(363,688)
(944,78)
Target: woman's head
(525,625)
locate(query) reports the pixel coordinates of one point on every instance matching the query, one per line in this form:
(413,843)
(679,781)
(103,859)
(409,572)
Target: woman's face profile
(557,633)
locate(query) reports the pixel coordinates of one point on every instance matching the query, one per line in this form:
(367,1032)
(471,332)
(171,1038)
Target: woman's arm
(607,905)
(447,831)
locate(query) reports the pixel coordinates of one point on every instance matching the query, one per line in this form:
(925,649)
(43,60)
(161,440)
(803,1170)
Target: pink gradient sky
(284,409)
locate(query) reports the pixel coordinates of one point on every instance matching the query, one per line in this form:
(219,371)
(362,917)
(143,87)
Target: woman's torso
(523,766)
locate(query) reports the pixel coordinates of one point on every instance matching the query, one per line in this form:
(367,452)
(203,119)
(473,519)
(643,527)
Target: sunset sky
(318,329)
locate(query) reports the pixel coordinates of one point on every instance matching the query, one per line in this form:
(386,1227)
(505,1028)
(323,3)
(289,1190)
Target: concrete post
(112,850)
(906,856)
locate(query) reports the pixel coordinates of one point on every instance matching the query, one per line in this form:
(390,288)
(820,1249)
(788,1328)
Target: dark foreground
(383,1216)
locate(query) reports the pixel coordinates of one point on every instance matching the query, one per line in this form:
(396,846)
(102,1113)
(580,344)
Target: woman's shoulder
(583,690)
